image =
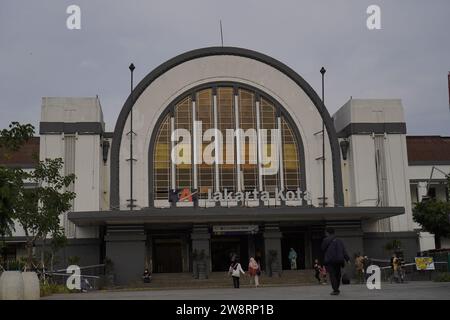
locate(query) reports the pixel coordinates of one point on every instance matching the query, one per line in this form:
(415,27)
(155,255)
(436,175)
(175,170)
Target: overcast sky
(409,58)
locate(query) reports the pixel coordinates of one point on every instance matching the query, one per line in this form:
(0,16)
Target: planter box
(31,286)
(11,286)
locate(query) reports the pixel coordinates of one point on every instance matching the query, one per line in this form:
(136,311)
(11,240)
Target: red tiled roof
(26,157)
(432,149)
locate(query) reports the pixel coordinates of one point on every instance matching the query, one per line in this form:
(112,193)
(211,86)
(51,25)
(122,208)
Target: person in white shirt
(235,271)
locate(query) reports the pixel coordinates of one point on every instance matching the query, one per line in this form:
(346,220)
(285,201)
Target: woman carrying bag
(254,271)
(235,272)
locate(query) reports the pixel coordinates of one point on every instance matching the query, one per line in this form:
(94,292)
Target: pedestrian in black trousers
(335,258)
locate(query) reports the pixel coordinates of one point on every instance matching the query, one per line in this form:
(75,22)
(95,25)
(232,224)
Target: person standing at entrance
(293,259)
(254,271)
(235,271)
(335,258)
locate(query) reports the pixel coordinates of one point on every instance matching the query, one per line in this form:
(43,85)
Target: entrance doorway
(167,256)
(222,248)
(297,242)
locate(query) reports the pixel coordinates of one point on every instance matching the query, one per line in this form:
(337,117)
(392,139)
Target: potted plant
(274,265)
(109,272)
(202,265)
(394,246)
(11,282)
(199,264)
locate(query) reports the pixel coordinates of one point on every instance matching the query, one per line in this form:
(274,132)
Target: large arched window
(227,106)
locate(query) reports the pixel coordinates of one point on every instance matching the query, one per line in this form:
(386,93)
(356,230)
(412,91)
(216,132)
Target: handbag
(258,272)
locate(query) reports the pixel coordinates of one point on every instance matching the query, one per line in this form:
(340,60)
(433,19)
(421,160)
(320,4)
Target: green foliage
(433,216)
(11,182)
(393,245)
(52,288)
(109,265)
(13,138)
(11,178)
(443,277)
(273,254)
(16,265)
(73,260)
(38,209)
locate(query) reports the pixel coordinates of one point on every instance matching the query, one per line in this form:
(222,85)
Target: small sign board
(235,229)
(424,263)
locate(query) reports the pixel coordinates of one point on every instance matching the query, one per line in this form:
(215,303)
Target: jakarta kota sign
(244,196)
(186,195)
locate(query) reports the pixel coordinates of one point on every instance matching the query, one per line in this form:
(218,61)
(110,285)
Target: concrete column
(201,237)
(308,250)
(272,242)
(421,190)
(127,252)
(185,253)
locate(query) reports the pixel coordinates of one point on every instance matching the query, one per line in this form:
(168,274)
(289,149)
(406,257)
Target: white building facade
(137,207)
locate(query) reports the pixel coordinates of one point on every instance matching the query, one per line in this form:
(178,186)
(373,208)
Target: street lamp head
(322,71)
(132,67)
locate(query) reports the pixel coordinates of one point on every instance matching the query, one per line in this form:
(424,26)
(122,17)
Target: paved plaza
(409,291)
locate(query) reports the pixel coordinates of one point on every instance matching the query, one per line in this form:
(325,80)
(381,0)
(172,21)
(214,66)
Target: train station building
(265,168)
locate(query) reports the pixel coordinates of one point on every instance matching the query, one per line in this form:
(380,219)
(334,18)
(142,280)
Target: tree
(11,178)
(38,209)
(433,216)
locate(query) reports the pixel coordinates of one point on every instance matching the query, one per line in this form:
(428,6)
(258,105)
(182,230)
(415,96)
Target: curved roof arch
(217,51)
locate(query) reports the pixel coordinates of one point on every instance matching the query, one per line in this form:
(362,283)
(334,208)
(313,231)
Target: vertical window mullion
(259,150)
(280,153)
(238,140)
(194,146)
(216,142)
(172,146)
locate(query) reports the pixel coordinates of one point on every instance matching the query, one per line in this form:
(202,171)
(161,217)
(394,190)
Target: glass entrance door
(222,249)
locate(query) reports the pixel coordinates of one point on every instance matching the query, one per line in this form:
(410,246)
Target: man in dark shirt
(335,258)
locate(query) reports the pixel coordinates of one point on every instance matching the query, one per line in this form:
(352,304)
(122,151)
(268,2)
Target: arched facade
(205,72)
(215,106)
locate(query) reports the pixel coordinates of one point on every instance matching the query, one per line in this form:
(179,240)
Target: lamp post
(131,200)
(322,71)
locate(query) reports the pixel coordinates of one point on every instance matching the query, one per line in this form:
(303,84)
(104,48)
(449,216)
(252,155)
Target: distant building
(373,171)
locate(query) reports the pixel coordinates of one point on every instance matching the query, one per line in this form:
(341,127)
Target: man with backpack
(335,258)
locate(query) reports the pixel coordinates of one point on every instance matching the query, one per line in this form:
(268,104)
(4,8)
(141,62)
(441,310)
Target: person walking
(359,267)
(335,258)
(396,265)
(293,259)
(235,272)
(317,270)
(254,271)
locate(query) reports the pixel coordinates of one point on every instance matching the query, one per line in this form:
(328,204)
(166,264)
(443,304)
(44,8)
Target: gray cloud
(408,59)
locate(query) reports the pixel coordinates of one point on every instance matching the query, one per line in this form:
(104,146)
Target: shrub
(443,277)
(53,288)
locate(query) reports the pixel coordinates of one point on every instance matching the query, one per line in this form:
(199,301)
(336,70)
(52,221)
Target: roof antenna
(221,32)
